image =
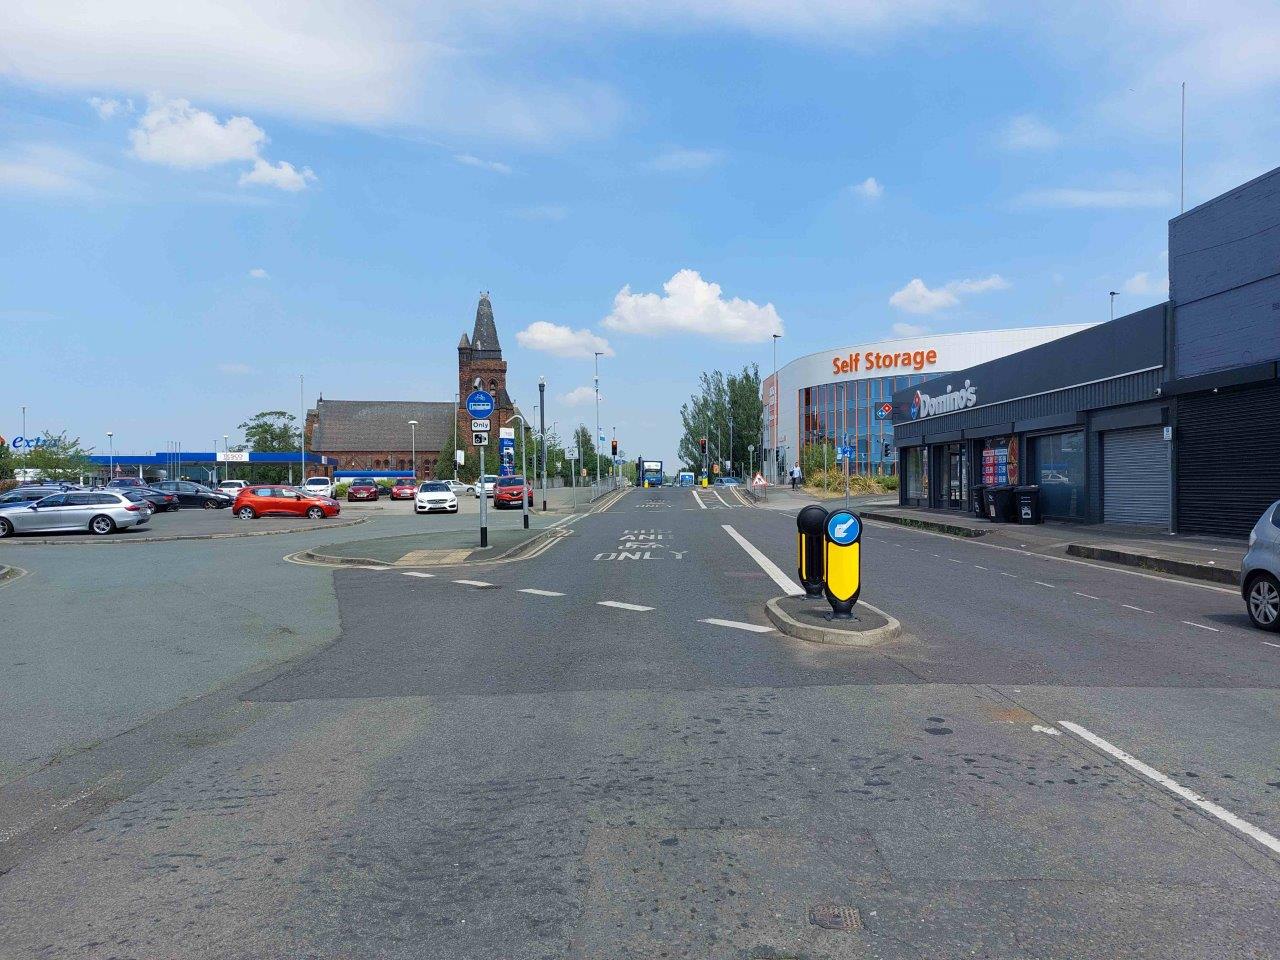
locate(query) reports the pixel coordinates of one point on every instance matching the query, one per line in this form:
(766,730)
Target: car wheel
(246,513)
(208,504)
(6,528)
(1263,601)
(316,513)
(101,525)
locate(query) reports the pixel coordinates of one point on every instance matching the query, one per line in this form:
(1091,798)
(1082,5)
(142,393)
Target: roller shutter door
(1135,476)
(1228,452)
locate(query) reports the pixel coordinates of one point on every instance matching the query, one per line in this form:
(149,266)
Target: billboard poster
(506,456)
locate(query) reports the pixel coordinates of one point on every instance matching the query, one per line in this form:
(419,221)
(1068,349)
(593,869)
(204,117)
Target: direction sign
(480,426)
(480,403)
(479,439)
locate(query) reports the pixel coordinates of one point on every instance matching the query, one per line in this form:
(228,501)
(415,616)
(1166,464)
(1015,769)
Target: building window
(1060,474)
(915,478)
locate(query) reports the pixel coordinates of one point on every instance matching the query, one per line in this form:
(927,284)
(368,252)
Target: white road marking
(541,593)
(1130,606)
(1201,626)
(1208,806)
(716,494)
(1003,574)
(737,625)
(415,573)
(377,568)
(1270,644)
(1087,596)
(698,499)
(978,566)
(768,566)
(1041,583)
(1038,728)
(474,583)
(954,560)
(621,606)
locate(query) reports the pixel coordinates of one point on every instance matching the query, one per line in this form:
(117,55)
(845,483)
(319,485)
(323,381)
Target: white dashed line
(474,583)
(1270,644)
(737,625)
(954,560)
(1201,626)
(415,573)
(1130,606)
(768,566)
(978,566)
(541,593)
(1041,583)
(698,499)
(1013,575)
(716,494)
(622,606)
(377,568)
(1209,807)
(1087,596)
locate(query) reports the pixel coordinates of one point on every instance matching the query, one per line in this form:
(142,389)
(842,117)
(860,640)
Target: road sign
(571,454)
(506,433)
(479,439)
(480,426)
(480,403)
(843,562)
(751,448)
(506,455)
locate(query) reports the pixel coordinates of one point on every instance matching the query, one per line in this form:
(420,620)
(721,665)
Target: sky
(201,203)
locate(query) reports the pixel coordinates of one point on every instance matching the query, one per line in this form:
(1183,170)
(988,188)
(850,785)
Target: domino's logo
(915,406)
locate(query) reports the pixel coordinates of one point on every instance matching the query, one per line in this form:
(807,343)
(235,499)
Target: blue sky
(197,207)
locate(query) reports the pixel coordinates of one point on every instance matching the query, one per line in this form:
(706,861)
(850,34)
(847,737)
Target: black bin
(1028,503)
(1000,504)
(979,500)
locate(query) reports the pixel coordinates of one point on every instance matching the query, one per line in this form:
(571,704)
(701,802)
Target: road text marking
(621,606)
(768,566)
(737,625)
(541,593)
(1208,806)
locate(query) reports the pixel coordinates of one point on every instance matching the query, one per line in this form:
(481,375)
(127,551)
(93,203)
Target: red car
(362,489)
(508,491)
(279,501)
(404,489)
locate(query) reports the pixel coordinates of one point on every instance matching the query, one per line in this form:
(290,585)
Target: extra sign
(480,439)
(843,562)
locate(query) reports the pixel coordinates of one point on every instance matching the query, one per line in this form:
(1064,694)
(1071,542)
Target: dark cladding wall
(1224,280)
(1014,388)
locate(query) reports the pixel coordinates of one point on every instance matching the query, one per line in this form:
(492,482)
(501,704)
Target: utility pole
(730,443)
(542,432)
(111,458)
(413,447)
(773,459)
(24,419)
(457,397)
(302,432)
(597,437)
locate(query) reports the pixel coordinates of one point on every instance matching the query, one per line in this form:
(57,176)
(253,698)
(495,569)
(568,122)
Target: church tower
(481,356)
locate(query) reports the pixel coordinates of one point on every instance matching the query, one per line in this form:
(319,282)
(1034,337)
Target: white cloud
(1072,198)
(492,166)
(176,134)
(561,341)
(235,369)
(869,189)
(1142,284)
(684,160)
(257,273)
(915,297)
(42,168)
(578,396)
(692,305)
(1029,133)
(909,330)
(108,108)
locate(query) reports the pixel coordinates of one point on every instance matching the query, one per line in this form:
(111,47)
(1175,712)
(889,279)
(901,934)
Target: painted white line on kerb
(1201,626)
(1130,606)
(716,494)
(737,625)
(415,573)
(699,499)
(1208,806)
(541,593)
(622,606)
(474,583)
(792,588)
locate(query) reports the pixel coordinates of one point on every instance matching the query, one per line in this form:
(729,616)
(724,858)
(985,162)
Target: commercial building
(375,436)
(1168,417)
(847,392)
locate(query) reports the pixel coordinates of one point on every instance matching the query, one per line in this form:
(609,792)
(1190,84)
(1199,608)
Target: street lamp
(111,458)
(730,443)
(226,449)
(597,440)
(413,447)
(524,495)
(1113,294)
(773,460)
(542,432)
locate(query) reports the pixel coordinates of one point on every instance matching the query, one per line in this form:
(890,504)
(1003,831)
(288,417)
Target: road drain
(835,916)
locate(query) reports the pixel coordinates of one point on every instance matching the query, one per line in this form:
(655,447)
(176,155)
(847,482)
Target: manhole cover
(835,916)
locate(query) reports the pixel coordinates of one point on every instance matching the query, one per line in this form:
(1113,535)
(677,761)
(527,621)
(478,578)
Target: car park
(28,493)
(404,490)
(116,482)
(275,500)
(194,494)
(319,486)
(485,483)
(434,495)
(161,502)
(511,492)
(96,511)
(1260,571)
(362,489)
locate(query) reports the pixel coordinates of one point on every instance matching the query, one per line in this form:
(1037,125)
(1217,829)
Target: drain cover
(835,916)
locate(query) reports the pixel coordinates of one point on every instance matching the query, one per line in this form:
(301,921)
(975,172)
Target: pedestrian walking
(795,477)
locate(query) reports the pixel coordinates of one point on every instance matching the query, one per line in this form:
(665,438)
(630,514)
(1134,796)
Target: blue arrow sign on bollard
(480,403)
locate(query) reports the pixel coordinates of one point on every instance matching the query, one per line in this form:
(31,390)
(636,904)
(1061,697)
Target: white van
(319,486)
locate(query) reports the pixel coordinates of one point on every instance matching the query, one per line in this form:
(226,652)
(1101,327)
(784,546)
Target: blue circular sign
(480,403)
(843,527)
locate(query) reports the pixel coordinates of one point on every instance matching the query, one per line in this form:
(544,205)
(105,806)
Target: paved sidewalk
(1199,558)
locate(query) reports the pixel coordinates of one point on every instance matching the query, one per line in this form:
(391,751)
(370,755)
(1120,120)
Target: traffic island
(811,619)
(435,549)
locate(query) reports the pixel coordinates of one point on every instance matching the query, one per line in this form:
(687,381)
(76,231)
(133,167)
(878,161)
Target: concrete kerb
(833,634)
(938,526)
(1179,568)
(118,541)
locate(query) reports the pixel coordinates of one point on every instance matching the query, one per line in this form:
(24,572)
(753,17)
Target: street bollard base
(484,536)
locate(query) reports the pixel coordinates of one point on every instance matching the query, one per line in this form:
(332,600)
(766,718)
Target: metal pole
(484,506)
(302,433)
(413,448)
(24,419)
(456,398)
(596,443)
(773,460)
(542,431)
(731,444)
(1182,187)
(226,448)
(524,467)
(573,477)
(111,458)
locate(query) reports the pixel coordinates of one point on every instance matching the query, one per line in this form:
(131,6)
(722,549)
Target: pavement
(607,751)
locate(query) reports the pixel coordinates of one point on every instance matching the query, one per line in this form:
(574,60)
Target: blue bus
(648,472)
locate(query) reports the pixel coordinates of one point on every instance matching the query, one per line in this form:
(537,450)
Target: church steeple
(484,338)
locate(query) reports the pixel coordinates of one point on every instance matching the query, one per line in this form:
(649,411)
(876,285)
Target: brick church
(377,435)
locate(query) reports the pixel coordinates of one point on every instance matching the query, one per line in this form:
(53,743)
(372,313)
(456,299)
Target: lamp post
(597,437)
(226,449)
(413,448)
(524,494)
(24,419)
(111,458)
(731,443)
(1113,294)
(773,460)
(542,432)
(457,398)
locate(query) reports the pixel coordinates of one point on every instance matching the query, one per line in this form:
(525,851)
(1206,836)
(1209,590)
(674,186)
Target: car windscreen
(433,488)
(511,482)
(317,482)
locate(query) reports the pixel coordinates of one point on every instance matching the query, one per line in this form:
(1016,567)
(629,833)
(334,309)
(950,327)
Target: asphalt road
(605,751)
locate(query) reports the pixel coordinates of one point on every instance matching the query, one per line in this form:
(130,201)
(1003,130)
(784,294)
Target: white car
(318,487)
(458,488)
(434,495)
(486,483)
(232,487)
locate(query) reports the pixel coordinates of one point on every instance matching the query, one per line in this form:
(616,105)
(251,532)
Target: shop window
(915,478)
(1060,474)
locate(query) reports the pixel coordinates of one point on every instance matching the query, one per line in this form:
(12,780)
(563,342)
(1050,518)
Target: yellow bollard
(843,561)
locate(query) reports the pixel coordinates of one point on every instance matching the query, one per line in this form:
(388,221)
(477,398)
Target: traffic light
(615,446)
(702,442)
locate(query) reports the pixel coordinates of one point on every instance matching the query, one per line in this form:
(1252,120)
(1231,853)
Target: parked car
(486,483)
(97,511)
(404,490)
(319,486)
(727,482)
(434,495)
(28,494)
(116,482)
(232,487)
(509,491)
(458,488)
(1260,572)
(269,500)
(160,501)
(194,494)
(362,489)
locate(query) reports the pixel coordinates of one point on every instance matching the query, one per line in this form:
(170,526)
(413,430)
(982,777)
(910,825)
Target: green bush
(341,489)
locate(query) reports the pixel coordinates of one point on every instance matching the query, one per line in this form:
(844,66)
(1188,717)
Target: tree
(272,431)
(6,461)
(58,457)
(721,401)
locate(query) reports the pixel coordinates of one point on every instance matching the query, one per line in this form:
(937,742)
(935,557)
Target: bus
(648,471)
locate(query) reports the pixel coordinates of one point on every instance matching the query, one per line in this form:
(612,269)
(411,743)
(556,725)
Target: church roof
(484,338)
(353,425)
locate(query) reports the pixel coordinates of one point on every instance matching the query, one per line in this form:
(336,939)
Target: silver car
(96,511)
(1260,572)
